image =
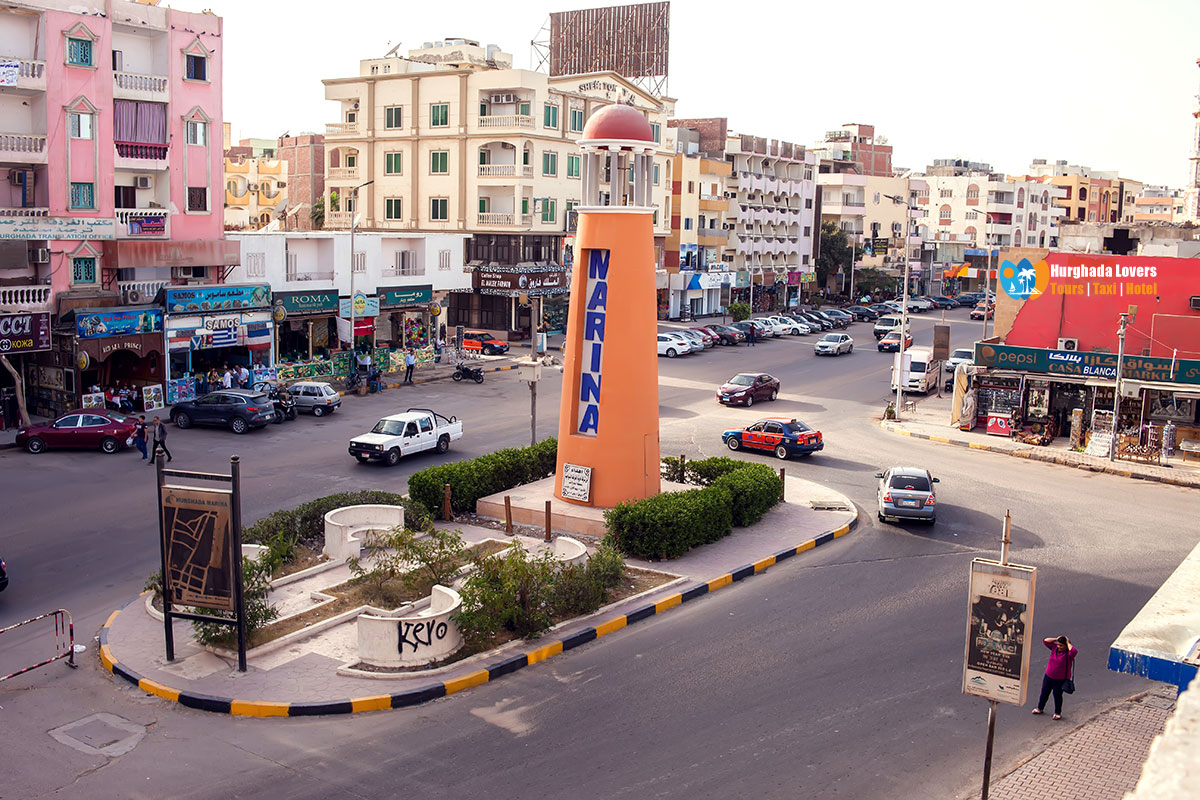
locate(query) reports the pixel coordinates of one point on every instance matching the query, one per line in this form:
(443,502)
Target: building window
(550,164)
(83,270)
(808,202)
(393,208)
(656,132)
(197,132)
(444,260)
(83,195)
(439,162)
(808,230)
(946,193)
(656,174)
(944,213)
(351,117)
(572,166)
(524,206)
(439,115)
(197,68)
(549,116)
(80,124)
(393,117)
(255,263)
(351,160)
(576,120)
(523,109)
(485,205)
(79,52)
(549,211)
(439,209)
(197,198)
(393,163)
(687,223)
(231,186)
(972,215)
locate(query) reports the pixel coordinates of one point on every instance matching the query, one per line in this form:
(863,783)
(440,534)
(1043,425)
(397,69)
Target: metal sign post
(200,543)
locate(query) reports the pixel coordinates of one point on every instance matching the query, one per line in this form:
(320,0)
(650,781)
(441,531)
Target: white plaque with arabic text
(577,483)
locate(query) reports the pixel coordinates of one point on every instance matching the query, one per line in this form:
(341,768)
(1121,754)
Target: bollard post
(782,484)
(508,515)
(547,520)
(446,504)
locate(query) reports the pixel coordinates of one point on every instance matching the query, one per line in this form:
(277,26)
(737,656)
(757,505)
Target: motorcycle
(353,381)
(281,399)
(463,371)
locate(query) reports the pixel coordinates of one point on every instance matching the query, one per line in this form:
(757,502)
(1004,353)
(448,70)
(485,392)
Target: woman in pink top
(1060,667)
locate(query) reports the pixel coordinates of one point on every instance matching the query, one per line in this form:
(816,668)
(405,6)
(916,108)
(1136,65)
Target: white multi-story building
(457,141)
(399,278)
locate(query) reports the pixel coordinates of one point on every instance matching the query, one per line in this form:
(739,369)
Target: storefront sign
(742,280)
(147,225)
(324,302)
(364,306)
(198,540)
(999,624)
(74,228)
(94,324)
(10,71)
(1101,365)
(577,483)
(199,299)
(534,283)
(180,389)
(592,352)
(152,397)
(403,296)
(24,333)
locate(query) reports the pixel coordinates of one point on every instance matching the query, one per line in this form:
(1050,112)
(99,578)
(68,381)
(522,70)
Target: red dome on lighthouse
(620,122)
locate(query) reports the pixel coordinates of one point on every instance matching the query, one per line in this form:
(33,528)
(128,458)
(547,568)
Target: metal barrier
(64,640)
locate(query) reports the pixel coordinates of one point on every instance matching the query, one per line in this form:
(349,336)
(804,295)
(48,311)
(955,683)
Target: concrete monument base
(529,508)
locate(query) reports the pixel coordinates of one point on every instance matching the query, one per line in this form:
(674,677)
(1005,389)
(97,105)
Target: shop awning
(124,254)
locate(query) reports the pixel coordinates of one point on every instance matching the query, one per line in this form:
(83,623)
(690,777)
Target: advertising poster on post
(999,624)
(152,397)
(93,400)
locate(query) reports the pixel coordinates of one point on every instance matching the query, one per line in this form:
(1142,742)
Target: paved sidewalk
(305,677)
(931,420)
(1098,760)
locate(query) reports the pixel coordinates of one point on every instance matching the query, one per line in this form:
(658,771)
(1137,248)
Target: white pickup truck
(404,434)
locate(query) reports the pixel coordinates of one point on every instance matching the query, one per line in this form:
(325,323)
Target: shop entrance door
(1064,398)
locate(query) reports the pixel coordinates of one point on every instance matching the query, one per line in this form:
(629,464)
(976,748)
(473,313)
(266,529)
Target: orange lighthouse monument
(608,448)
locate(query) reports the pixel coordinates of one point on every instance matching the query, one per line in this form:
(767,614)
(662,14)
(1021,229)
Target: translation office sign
(999,624)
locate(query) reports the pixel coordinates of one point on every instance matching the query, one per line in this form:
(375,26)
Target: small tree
(334,201)
(318,213)
(739,311)
(256,585)
(416,560)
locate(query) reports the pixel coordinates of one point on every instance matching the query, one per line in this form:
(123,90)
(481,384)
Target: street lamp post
(1112,445)
(353,225)
(899,368)
(987,271)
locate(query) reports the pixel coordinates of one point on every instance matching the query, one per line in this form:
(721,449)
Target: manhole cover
(1164,703)
(102,734)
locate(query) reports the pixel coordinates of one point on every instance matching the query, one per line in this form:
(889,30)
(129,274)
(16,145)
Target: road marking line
(381,702)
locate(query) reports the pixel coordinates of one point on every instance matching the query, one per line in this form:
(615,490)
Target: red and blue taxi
(779,435)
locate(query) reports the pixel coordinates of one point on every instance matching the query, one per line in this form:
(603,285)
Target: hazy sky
(1107,83)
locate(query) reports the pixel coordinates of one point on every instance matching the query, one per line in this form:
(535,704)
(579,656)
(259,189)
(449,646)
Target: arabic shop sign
(592,354)
(403,296)
(308,302)
(1093,365)
(535,283)
(200,299)
(118,322)
(74,228)
(24,333)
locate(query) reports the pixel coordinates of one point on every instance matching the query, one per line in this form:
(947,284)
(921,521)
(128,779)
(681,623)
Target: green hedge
(483,476)
(305,524)
(733,493)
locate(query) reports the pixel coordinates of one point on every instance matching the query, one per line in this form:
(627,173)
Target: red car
(891,341)
(480,342)
(83,428)
(745,388)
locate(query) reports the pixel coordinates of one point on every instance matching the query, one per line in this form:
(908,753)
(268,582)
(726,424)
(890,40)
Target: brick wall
(305,157)
(712,130)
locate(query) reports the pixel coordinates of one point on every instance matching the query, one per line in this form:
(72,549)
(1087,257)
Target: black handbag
(1069,683)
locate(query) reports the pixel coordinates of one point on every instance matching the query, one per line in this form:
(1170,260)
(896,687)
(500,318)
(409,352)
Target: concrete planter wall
(344,528)
(418,634)
(570,551)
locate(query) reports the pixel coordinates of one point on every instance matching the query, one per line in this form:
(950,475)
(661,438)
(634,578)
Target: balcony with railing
(337,220)
(522,122)
(308,273)
(341,129)
(141,155)
(19,299)
(342,174)
(143,223)
(30,75)
(147,289)
(135,86)
(23,148)
(22,212)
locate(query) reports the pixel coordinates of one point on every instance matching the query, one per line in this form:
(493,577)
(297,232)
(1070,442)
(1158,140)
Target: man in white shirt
(244,377)
(227,379)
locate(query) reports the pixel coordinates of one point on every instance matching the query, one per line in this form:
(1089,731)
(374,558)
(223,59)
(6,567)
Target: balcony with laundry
(140,135)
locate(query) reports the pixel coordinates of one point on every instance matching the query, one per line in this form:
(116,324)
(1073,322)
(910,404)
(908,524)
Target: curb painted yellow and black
(432,691)
(1048,458)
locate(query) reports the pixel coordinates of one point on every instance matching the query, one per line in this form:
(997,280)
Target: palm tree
(1026,276)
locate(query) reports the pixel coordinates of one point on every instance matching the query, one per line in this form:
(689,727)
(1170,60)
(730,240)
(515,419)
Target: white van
(886,323)
(920,372)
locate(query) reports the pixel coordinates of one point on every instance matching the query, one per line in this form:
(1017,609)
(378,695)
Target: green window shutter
(524,205)
(523,109)
(483,205)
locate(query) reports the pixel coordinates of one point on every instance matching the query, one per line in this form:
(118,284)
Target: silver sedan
(906,493)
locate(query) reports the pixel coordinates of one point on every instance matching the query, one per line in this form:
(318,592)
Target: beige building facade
(255,192)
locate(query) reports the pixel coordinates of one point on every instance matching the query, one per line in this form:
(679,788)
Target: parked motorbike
(353,381)
(281,398)
(471,373)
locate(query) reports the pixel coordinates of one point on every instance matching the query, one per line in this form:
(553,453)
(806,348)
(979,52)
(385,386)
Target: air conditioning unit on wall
(1068,344)
(39,255)
(144,182)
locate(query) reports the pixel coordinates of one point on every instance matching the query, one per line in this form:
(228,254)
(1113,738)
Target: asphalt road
(833,675)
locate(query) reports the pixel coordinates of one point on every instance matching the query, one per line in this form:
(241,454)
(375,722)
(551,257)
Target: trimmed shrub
(305,524)
(673,468)
(479,477)
(754,489)
(703,472)
(739,311)
(668,525)
(513,591)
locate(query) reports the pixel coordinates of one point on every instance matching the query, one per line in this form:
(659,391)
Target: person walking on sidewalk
(139,435)
(410,361)
(1060,667)
(750,337)
(160,440)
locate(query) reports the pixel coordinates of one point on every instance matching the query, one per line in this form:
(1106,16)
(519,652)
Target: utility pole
(1112,445)
(899,368)
(1005,541)
(353,225)
(987,274)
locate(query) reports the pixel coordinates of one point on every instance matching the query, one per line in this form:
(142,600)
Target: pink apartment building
(111,167)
